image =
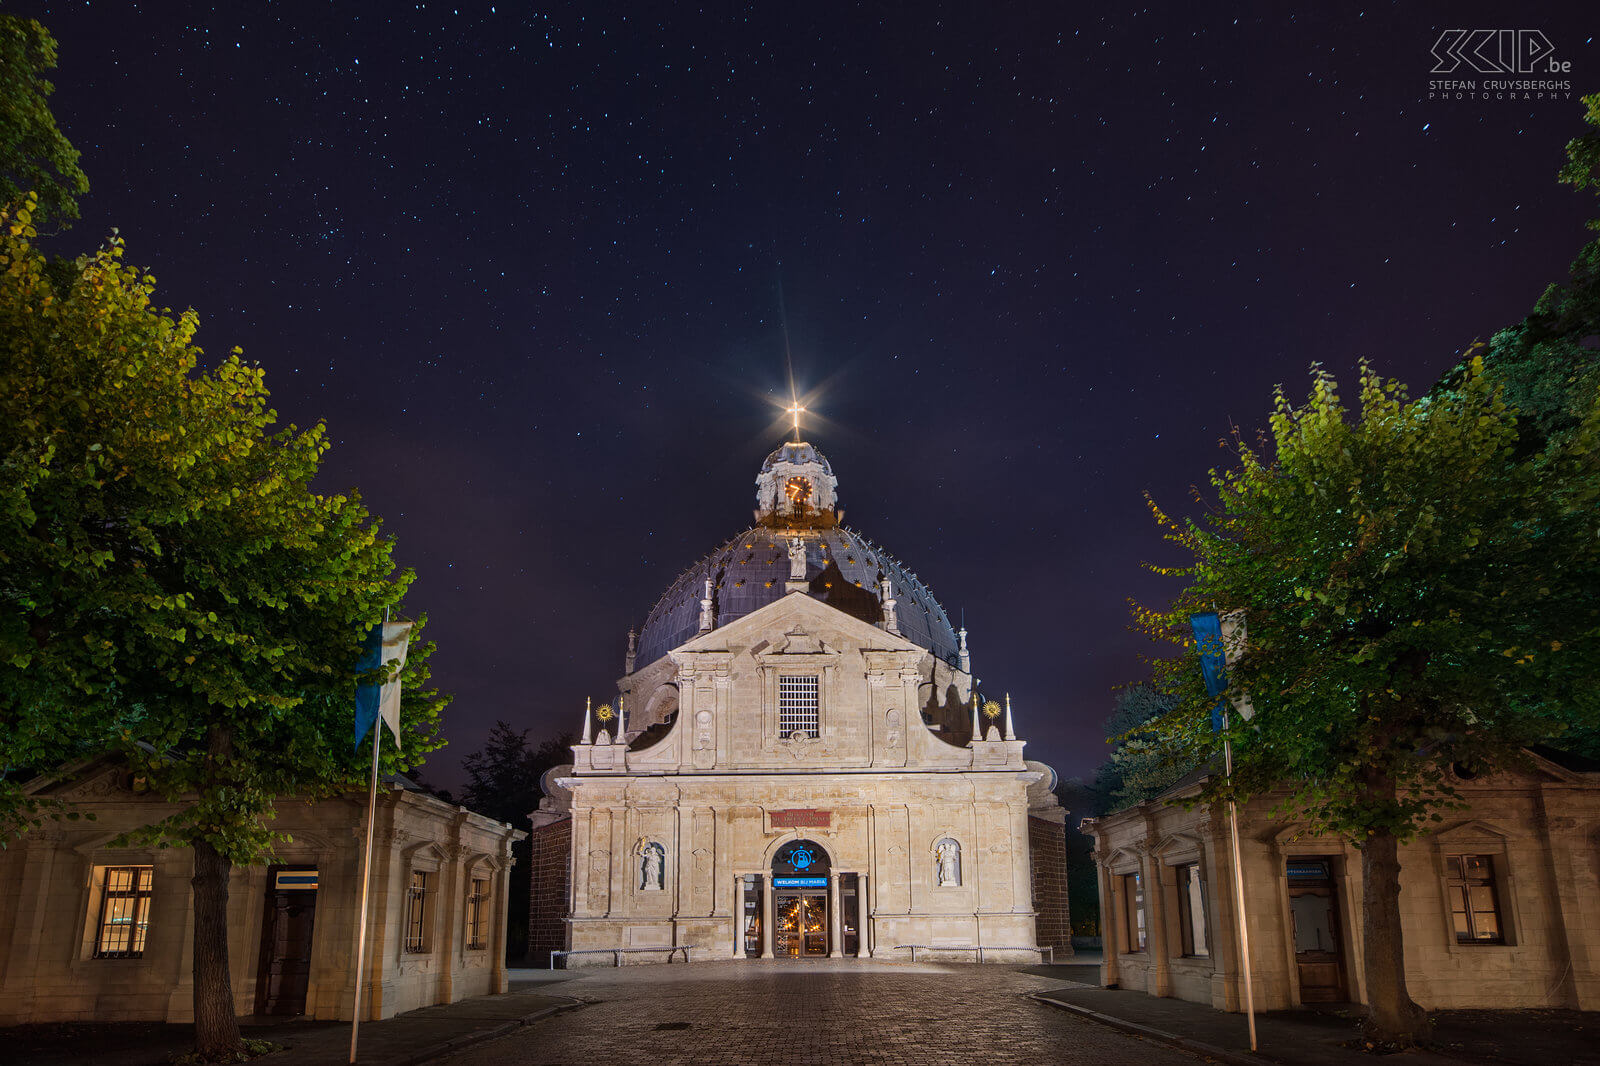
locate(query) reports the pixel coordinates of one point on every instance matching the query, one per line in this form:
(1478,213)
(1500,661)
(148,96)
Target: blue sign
(800,858)
(799,882)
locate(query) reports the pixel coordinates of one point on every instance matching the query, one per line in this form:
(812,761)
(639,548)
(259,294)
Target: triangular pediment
(793,626)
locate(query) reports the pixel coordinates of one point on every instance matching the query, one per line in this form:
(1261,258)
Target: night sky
(526,261)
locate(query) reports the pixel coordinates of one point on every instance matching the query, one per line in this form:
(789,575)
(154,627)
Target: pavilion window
(1192,911)
(799,706)
(1474,902)
(124,912)
(1133,911)
(478,914)
(416,927)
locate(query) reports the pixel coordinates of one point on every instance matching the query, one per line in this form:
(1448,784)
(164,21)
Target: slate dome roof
(750,571)
(796,452)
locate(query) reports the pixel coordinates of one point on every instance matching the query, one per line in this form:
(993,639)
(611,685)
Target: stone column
(766,916)
(863,919)
(38,852)
(500,980)
(1155,909)
(738,916)
(1110,933)
(835,919)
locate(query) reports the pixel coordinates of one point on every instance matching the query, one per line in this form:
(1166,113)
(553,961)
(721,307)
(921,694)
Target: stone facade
(1524,859)
(72,951)
(802,724)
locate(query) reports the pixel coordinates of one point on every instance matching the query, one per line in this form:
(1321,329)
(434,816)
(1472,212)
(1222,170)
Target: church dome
(796,497)
(843,569)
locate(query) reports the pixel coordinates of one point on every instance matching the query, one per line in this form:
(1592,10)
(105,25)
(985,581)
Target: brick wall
(1047,846)
(549,867)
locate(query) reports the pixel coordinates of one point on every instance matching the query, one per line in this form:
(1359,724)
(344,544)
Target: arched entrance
(800,900)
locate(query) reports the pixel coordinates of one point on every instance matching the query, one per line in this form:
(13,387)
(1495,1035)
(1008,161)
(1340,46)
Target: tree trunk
(1392,1016)
(216,1029)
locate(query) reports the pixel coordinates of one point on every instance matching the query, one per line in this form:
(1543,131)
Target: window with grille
(1474,904)
(799,706)
(478,914)
(124,912)
(416,932)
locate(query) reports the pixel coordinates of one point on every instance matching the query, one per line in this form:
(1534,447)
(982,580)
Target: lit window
(124,913)
(1192,910)
(478,914)
(1474,904)
(799,706)
(416,931)
(1133,906)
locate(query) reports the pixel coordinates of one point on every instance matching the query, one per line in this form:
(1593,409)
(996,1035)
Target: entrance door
(800,923)
(286,924)
(800,899)
(1314,909)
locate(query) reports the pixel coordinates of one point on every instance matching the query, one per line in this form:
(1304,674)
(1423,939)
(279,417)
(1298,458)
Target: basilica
(798,761)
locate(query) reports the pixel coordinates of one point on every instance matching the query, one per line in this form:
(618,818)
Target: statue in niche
(797,559)
(651,863)
(702,730)
(948,853)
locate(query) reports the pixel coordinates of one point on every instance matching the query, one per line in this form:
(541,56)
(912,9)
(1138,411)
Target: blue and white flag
(385,646)
(1213,660)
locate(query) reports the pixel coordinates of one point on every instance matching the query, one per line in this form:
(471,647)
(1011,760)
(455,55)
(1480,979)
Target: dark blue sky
(525,259)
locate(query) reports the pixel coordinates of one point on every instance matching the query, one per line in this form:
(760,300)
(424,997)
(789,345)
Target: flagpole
(1238,888)
(366,883)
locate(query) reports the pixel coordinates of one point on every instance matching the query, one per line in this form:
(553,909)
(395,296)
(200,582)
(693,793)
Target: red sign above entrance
(801,818)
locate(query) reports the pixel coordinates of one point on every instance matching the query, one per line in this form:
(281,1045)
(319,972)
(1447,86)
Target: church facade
(798,762)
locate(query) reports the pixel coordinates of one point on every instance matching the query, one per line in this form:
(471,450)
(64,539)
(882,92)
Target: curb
(479,1036)
(1197,1047)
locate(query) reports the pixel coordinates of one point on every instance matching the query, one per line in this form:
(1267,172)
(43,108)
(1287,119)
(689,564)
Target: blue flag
(1213,660)
(367,695)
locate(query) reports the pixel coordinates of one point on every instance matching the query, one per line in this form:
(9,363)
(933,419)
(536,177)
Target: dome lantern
(796,489)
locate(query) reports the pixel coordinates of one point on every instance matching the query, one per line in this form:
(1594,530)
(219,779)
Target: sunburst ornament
(991,710)
(604,712)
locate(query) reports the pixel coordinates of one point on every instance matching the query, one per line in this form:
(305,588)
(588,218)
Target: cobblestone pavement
(814,1014)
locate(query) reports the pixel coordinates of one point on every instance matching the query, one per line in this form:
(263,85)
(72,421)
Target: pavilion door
(800,923)
(1314,909)
(284,973)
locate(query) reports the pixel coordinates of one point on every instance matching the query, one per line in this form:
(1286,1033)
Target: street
(817,1013)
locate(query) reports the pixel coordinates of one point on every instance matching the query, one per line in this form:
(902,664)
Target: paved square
(813,1014)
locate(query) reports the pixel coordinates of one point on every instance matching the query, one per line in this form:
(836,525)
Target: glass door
(814,919)
(800,924)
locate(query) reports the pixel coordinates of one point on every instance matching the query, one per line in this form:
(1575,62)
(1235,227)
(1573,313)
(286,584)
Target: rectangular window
(124,912)
(1133,906)
(416,931)
(1192,910)
(1474,904)
(478,914)
(799,706)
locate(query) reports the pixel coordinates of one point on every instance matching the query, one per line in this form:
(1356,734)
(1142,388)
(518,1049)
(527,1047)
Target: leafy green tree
(503,781)
(1142,764)
(1419,595)
(35,157)
(170,586)
(1549,363)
